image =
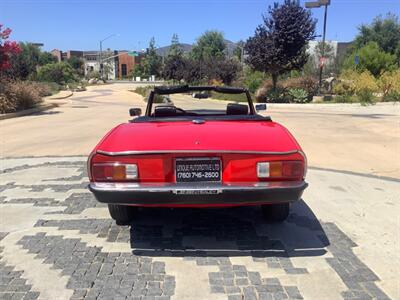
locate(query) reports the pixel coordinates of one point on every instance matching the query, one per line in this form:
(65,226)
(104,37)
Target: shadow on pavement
(46,112)
(240,231)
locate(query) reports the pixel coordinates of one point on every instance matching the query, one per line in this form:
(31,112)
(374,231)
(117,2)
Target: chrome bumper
(203,194)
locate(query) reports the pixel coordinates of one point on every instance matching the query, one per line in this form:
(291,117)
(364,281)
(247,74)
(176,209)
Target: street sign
(313,4)
(133,53)
(322,62)
(356,60)
(324,2)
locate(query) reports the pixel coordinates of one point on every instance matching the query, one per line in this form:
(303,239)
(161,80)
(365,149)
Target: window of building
(123,70)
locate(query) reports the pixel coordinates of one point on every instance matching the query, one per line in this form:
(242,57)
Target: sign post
(317,4)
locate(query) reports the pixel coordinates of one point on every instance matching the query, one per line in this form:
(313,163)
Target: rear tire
(122,214)
(275,213)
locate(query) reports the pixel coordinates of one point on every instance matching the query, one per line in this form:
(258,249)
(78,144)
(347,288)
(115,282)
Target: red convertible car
(188,151)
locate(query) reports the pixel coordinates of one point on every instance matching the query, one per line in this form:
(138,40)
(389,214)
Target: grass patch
(144,91)
(229,97)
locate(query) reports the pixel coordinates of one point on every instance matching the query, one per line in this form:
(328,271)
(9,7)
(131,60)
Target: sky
(81,24)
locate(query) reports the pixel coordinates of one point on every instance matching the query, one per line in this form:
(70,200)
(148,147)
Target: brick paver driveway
(59,243)
(56,242)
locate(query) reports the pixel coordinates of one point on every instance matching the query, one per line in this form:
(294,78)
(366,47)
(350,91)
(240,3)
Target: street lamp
(316,5)
(101,52)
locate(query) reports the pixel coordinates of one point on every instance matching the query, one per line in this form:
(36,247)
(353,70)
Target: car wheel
(122,214)
(276,212)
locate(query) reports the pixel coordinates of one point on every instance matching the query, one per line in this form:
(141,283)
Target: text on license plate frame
(192,175)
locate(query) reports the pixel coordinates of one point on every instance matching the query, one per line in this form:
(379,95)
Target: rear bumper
(198,194)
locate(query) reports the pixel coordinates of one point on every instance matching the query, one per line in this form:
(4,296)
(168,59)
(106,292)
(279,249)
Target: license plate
(196,192)
(198,169)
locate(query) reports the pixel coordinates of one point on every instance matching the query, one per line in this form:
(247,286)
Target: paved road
(340,242)
(341,137)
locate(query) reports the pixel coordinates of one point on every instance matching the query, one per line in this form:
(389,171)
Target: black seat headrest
(165,111)
(237,109)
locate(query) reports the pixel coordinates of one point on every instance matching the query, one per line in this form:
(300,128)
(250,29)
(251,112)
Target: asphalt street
(341,240)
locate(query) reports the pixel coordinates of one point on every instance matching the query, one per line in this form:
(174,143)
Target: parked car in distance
(201,95)
(192,153)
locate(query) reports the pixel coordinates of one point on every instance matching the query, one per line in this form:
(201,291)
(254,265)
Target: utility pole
(322,61)
(321,67)
(101,54)
(101,60)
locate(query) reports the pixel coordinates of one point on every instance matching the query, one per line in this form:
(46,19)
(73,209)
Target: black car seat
(237,109)
(165,111)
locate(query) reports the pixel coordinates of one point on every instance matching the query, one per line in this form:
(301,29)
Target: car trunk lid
(211,136)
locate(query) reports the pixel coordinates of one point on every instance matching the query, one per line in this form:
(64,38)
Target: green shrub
(344,99)
(278,95)
(366,97)
(42,88)
(93,74)
(298,95)
(18,95)
(392,96)
(229,97)
(306,83)
(372,59)
(61,73)
(261,93)
(253,80)
(300,86)
(345,84)
(389,83)
(144,91)
(53,87)
(365,86)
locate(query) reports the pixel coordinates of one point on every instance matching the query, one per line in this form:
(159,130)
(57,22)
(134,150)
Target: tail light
(281,169)
(114,172)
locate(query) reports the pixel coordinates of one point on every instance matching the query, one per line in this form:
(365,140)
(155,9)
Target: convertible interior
(179,103)
(232,109)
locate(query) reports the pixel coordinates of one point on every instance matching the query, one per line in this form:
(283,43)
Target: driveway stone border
(30,111)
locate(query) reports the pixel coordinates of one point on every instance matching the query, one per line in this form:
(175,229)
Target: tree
(7,48)
(384,31)
(175,49)
(60,72)
(397,53)
(371,58)
(238,51)
(46,58)
(174,61)
(25,62)
(77,64)
(173,67)
(279,44)
(223,69)
(210,44)
(191,71)
(152,62)
(137,71)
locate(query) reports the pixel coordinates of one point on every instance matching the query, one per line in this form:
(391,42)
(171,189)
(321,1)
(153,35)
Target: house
(338,51)
(116,64)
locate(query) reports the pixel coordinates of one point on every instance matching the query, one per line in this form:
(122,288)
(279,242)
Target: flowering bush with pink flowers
(7,48)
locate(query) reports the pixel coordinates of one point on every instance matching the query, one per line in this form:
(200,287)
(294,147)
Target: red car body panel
(155,145)
(212,135)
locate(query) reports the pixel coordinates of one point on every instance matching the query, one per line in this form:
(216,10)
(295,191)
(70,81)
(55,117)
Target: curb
(28,111)
(62,97)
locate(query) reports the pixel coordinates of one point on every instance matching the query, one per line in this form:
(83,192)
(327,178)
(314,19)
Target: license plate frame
(198,169)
